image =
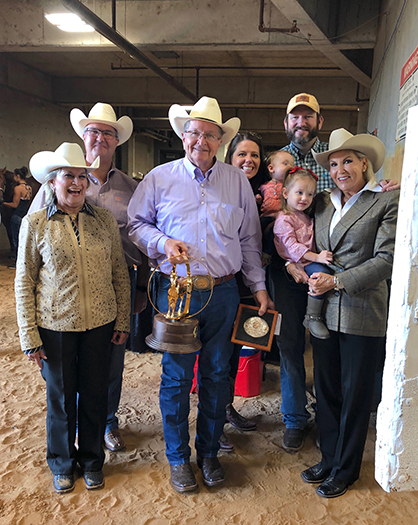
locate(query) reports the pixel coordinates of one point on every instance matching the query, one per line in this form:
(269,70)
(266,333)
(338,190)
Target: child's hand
(258,198)
(325,257)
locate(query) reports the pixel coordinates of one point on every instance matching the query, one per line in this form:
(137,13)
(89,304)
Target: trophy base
(175,337)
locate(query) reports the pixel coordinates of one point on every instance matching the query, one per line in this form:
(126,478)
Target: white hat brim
(44,162)
(369,145)
(124,126)
(178,117)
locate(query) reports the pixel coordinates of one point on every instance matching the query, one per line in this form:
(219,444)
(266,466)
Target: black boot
(236,420)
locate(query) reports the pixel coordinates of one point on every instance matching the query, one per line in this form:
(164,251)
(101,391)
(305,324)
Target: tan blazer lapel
(366,200)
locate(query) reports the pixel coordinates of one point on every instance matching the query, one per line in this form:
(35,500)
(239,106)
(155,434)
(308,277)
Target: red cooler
(250,373)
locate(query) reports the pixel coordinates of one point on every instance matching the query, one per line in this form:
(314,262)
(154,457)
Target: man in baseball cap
(302,123)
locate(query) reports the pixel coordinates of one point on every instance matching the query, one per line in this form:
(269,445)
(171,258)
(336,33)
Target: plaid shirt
(307,161)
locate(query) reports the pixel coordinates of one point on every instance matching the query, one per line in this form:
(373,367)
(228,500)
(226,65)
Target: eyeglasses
(107,134)
(195,135)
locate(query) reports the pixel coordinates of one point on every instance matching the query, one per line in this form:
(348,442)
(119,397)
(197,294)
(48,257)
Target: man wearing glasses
(109,188)
(203,208)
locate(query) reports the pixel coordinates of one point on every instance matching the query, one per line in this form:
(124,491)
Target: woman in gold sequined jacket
(73,300)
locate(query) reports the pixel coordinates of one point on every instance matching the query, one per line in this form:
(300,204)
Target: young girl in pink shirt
(294,239)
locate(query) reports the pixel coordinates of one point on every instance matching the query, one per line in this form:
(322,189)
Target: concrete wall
(29,121)
(28,125)
(394,46)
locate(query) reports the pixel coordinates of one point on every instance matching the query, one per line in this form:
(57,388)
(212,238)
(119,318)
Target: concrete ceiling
(229,49)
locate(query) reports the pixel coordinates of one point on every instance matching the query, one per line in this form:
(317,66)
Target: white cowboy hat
(340,139)
(206,109)
(65,156)
(102,114)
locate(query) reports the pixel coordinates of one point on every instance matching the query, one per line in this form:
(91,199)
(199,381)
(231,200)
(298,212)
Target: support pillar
(396,465)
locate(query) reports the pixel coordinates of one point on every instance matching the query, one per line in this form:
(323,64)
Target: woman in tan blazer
(356,221)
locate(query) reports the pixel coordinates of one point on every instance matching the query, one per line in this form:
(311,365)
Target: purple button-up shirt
(215,216)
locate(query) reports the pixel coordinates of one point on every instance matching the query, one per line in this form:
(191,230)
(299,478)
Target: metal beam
(81,48)
(105,30)
(292,10)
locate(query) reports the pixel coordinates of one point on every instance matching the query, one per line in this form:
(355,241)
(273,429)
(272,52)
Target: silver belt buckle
(201,283)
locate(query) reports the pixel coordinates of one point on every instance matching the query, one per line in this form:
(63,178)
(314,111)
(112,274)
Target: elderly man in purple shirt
(201,207)
(109,188)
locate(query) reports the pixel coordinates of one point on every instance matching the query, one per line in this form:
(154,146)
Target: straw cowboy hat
(340,139)
(206,109)
(102,114)
(65,156)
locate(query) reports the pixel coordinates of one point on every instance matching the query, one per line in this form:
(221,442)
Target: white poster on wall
(408,93)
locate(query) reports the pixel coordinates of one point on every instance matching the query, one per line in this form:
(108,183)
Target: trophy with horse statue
(175,331)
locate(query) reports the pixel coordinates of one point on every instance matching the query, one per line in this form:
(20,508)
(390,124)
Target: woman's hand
(297,271)
(320,283)
(37,357)
(119,338)
(389,185)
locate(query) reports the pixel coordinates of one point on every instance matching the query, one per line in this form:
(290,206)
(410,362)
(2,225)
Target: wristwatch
(338,286)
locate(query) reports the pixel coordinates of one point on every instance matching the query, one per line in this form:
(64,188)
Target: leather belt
(201,283)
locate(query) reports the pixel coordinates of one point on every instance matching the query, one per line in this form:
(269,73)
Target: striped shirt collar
(52,209)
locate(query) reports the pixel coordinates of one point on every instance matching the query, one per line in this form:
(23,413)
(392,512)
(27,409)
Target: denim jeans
(117,361)
(290,300)
(215,329)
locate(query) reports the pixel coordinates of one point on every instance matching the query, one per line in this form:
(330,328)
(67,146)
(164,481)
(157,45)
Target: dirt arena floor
(263,483)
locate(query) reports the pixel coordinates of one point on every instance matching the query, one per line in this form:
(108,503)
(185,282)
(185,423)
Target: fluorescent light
(69,22)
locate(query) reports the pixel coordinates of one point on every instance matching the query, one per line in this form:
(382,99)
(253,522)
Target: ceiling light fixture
(69,22)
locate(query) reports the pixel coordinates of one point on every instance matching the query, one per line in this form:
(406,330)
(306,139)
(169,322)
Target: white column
(396,465)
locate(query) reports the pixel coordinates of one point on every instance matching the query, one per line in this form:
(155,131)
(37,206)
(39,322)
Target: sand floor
(263,483)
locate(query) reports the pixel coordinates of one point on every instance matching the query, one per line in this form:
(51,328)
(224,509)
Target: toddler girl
(278,164)
(294,240)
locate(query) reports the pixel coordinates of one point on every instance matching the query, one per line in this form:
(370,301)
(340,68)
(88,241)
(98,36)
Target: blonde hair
(369,175)
(289,181)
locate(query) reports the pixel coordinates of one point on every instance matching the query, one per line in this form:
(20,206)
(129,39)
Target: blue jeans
(117,361)
(317,267)
(215,329)
(290,299)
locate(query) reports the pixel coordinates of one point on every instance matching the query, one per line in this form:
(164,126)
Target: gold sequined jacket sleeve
(64,287)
